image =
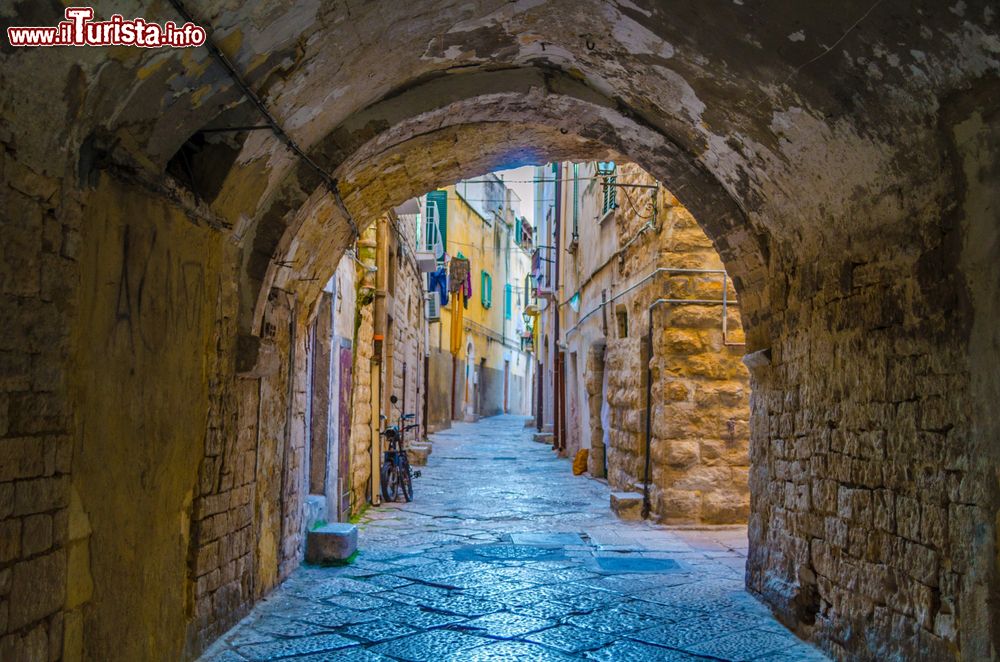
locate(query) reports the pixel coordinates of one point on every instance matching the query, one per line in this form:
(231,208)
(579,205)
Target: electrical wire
(634,210)
(331,184)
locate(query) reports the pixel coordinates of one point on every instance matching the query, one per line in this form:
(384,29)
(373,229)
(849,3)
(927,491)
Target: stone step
(626,505)
(530,423)
(330,543)
(417,453)
(544,437)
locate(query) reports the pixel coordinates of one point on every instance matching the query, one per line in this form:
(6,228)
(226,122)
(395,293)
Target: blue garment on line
(438,282)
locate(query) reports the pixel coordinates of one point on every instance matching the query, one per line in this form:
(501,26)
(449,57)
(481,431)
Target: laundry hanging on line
(437,281)
(460,275)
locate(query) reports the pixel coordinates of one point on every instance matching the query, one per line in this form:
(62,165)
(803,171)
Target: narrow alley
(688,312)
(503,555)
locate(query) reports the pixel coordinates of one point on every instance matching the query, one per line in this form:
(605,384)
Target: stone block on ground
(626,505)
(529,423)
(314,509)
(544,437)
(418,453)
(331,542)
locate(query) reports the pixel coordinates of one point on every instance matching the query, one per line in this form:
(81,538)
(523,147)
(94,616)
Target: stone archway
(841,157)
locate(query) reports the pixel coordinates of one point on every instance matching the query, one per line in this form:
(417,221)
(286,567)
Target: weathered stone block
(36,534)
(38,589)
(418,453)
(22,457)
(543,437)
(626,505)
(675,390)
(10,540)
(681,341)
(700,477)
(331,542)
(725,506)
(678,505)
(596,461)
(681,453)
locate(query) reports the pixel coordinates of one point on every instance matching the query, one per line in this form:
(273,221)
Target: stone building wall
(324,347)
(870,514)
(361,412)
(700,413)
(594,384)
(44,534)
(408,324)
(700,389)
(363,397)
(623,361)
(439,389)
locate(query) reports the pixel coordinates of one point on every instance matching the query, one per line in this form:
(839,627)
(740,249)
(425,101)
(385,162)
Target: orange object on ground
(580,461)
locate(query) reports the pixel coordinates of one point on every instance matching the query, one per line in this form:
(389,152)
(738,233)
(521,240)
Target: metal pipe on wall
(556,354)
(646,507)
(653,274)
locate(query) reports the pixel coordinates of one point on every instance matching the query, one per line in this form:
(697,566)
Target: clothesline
(536,181)
(476,246)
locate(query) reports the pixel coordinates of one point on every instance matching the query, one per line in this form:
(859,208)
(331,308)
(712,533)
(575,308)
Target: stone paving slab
(515,559)
(557,539)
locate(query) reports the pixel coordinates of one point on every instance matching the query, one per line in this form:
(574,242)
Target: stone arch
(474,123)
(858,138)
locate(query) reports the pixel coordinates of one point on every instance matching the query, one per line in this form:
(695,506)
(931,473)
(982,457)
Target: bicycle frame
(395,458)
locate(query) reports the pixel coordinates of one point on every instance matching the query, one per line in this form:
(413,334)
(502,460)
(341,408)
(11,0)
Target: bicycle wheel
(390,481)
(405,482)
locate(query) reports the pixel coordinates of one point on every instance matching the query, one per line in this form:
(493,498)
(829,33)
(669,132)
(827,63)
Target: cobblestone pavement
(505,555)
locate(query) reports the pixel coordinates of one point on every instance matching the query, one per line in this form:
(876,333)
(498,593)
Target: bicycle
(396,474)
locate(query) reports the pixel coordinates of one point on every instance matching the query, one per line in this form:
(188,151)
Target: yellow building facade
(490,367)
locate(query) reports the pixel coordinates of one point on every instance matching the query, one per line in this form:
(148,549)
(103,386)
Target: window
(437,213)
(609,200)
(487,290)
(507,301)
(621,316)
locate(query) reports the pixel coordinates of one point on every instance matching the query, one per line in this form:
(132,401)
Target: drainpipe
(649,384)
(557,419)
(649,407)
(427,366)
(540,390)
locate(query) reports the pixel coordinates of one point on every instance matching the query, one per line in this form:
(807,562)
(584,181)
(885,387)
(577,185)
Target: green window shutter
(507,301)
(440,198)
(487,290)
(610,198)
(576,199)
